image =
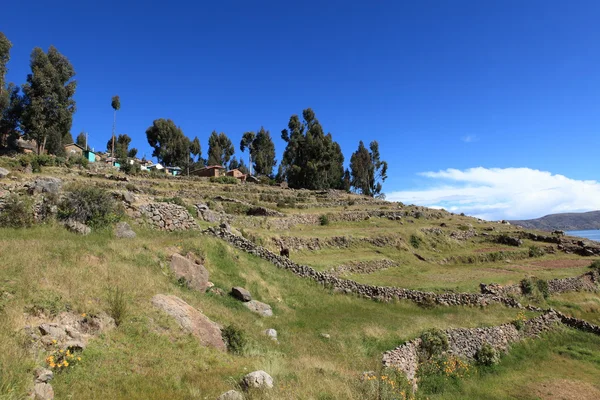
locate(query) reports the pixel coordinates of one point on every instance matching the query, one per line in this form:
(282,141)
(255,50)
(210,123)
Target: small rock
(259,308)
(241,294)
(272,333)
(54,331)
(43,375)
(77,227)
(217,291)
(4,173)
(194,274)
(74,345)
(43,391)
(325,335)
(257,380)
(231,395)
(129,198)
(124,231)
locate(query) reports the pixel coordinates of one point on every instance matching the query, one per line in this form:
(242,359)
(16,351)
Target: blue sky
(440,84)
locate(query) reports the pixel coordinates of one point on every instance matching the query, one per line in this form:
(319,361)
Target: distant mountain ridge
(565,222)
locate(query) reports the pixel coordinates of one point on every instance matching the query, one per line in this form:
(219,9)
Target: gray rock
(55,331)
(43,375)
(75,345)
(124,231)
(43,391)
(231,395)
(129,198)
(272,333)
(46,184)
(257,380)
(194,275)
(191,320)
(4,173)
(240,293)
(78,227)
(259,308)
(325,335)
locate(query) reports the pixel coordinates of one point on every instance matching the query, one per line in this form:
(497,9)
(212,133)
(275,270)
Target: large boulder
(259,308)
(124,231)
(4,173)
(257,380)
(43,391)
(241,294)
(46,184)
(231,395)
(191,320)
(186,269)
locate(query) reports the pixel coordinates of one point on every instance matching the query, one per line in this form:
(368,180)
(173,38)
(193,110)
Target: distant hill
(566,222)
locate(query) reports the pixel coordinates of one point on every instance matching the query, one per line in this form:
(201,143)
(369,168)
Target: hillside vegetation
(329,343)
(566,221)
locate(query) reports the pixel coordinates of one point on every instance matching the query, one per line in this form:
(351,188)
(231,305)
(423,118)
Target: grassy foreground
(150,357)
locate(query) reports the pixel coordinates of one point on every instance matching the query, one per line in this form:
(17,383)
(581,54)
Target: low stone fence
(380,293)
(363,267)
(586,282)
(466,342)
(167,216)
(315,243)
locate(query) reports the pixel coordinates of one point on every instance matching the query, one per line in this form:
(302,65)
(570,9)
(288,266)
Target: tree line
(42,110)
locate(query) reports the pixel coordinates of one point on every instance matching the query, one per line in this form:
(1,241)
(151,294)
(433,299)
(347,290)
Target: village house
(77,150)
(236,173)
(210,171)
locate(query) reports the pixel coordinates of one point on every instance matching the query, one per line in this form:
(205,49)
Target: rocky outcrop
(380,293)
(77,227)
(188,271)
(191,320)
(168,217)
(45,184)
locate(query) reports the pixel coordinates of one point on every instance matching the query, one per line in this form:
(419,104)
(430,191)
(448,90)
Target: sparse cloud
(503,193)
(469,138)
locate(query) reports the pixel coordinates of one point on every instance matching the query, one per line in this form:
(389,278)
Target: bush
(324,219)
(235,338)
(527,286)
(415,241)
(72,161)
(17,212)
(130,169)
(388,384)
(534,286)
(535,251)
(519,323)
(117,305)
(542,287)
(224,180)
(89,205)
(434,342)
(595,266)
(487,355)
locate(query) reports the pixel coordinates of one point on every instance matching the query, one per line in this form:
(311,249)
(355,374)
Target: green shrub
(595,265)
(117,305)
(434,342)
(17,212)
(173,200)
(73,161)
(224,180)
(535,251)
(89,205)
(487,355)
(235,338)
(130,169)
(527,286)
(324,219)
(542,287)
(535,287)
(388,384)
(519,323)
(415,241)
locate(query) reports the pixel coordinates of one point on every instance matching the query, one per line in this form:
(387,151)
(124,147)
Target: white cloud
(469,138)
(503,193)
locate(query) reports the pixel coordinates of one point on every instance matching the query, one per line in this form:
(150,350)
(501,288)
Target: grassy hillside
(46,270)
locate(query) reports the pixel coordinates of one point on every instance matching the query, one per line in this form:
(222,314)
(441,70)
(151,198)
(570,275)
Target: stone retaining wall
(465,343)
(167,216)
(380,293)
(363,267)
(586,282)
(315,243)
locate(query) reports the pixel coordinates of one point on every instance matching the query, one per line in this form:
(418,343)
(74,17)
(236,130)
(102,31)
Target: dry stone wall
(167,216)
(379,293)
(586,282)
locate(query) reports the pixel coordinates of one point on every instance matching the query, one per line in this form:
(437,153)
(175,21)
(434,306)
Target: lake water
(592,235)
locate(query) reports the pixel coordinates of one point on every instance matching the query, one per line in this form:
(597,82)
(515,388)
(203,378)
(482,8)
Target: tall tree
(220,149)
(195,149)
(5,46)
(312,159)
(10,118)
(261,149)
(132,152)
(116,105)
(171,146)
(367,169)
(82,140)
(48,99)
(121,145)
